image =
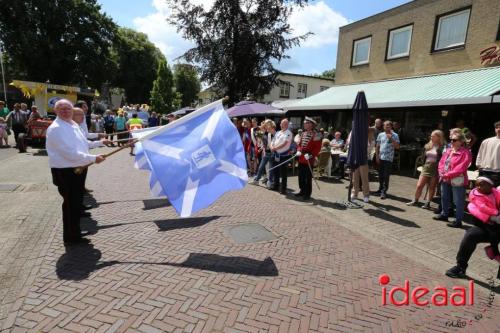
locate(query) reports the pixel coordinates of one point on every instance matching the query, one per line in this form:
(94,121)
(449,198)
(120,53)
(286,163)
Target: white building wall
(314,85)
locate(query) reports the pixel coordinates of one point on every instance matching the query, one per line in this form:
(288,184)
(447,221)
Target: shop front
(419,104)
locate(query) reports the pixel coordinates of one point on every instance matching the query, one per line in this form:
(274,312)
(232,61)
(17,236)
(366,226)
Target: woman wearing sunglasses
(452,171)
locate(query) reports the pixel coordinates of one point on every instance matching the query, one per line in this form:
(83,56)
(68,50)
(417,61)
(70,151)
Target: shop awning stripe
(468,87)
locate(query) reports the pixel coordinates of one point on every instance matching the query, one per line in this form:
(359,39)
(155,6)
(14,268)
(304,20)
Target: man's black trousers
(305,180)
(70,187)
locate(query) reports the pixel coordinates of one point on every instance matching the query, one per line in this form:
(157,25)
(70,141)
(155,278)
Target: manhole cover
(249,233)
(8,187)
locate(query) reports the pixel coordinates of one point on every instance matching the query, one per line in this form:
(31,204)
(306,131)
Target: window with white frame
(399,42)
(285,89)
(301,90)
(361,51)
(451,30)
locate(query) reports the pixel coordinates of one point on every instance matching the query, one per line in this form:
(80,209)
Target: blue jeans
(458,193)
(262,167)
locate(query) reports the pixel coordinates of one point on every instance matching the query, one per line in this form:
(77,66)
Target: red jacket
(459,163)
(481,207)
(312,147)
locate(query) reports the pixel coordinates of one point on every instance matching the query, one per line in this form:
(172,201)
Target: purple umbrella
(251,108)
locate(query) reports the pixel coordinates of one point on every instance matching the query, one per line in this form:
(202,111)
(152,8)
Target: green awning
(465,87)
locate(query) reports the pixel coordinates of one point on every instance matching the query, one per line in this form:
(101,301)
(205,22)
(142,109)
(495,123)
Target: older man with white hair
(68,149)
(280,146)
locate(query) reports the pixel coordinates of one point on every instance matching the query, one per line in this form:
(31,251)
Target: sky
(315,55)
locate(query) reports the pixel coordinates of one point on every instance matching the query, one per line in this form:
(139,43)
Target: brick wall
(482,32)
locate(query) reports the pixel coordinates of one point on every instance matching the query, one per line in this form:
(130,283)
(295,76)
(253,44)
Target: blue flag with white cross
(194,160)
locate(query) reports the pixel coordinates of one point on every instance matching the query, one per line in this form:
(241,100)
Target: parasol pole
(3,75)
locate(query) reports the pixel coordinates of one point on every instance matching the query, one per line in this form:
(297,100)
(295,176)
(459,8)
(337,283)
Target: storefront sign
(490,55)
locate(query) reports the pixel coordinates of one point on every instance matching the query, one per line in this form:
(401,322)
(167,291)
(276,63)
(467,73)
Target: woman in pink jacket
(484,202)
(452,171)
(483,206)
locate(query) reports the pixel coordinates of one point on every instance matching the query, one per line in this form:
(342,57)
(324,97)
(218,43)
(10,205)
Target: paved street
(149,271)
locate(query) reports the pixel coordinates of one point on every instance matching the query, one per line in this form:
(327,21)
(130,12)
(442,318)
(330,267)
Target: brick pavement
(27,219)
(149,271)
(409,230)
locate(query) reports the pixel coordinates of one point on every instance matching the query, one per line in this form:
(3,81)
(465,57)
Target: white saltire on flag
(194,160)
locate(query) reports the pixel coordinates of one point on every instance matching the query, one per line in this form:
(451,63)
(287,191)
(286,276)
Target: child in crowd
(484,205)
(4,136)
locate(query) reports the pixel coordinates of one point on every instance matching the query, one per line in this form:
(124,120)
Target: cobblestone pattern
(410,228)
(27,219)
(149,271)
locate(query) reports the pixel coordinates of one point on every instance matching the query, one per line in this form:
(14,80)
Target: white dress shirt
(66,145)
(282,137)
(85,131)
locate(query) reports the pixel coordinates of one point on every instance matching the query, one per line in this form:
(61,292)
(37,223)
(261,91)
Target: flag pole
(79,170)
(3,75)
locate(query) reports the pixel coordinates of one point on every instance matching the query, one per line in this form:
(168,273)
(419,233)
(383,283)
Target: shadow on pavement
(40,152)
(155,203)
(396,198)
(317,202)
(388,217)
(90,225)
(494,288)
(183,223)
(386,207)
(79,261)
(148,203)
(234,265)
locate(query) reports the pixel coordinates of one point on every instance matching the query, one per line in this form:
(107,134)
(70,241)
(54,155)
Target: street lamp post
(3,76)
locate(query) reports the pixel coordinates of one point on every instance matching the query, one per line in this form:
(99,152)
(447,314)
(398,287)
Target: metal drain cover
(8,187)
(249,233)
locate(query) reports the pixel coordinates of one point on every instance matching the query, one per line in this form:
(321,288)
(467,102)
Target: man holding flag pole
(68,150)
(194,160)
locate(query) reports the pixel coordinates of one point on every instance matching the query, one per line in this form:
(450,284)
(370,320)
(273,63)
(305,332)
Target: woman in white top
(429,176)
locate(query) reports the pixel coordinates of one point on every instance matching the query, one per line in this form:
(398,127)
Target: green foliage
(137,60)
(187,83)
(162,95)
(64,41)
(329,74)
(237,42)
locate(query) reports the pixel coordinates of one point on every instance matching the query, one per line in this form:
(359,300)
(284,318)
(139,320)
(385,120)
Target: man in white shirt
(280,146)
(488,157)
(68,149)
(79,118)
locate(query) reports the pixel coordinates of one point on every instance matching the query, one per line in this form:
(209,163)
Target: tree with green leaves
(187,83)
(329,74)
(138,61)
(64,41)
(162,95)
(237,42)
